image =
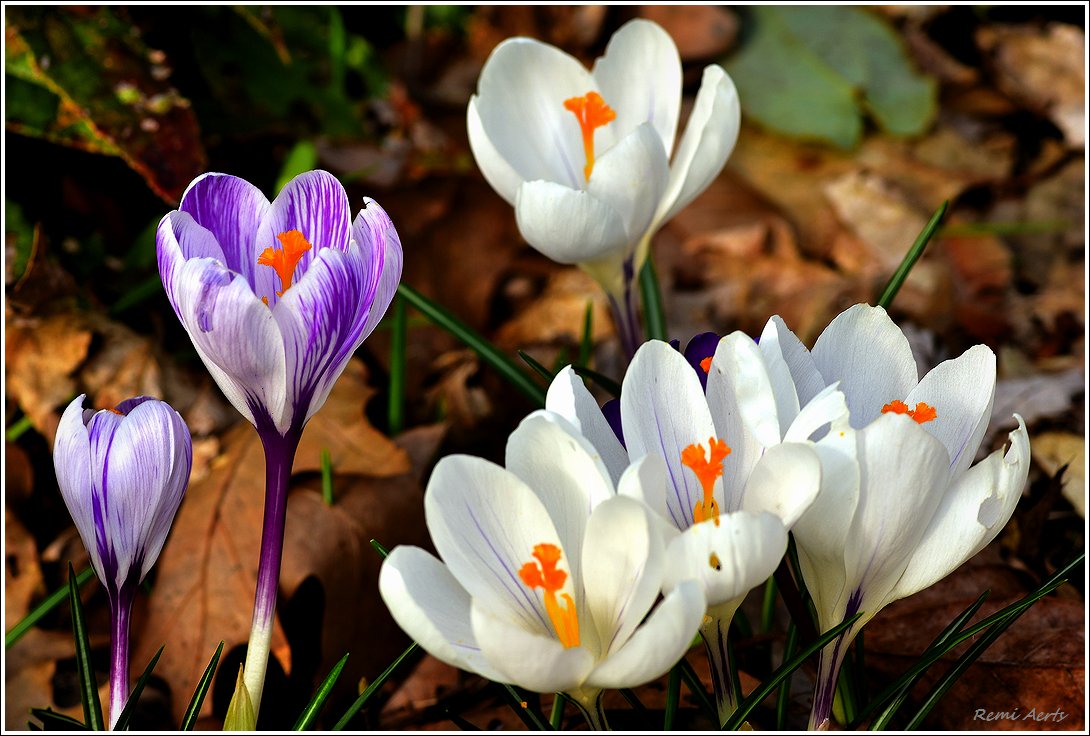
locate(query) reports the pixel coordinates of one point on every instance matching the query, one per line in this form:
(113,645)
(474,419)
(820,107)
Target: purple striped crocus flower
(122,473)
(276,298)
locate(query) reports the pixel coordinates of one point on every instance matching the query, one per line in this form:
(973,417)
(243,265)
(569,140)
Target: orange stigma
(706,364)
(284,261)
(922,413)
(592,112)
(543,574)
(707,469)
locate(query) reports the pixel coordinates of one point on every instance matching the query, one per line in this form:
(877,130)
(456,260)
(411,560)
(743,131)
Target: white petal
(72,463)
(658,644)
(504,179)
(529,659)
(484,523)
(973,511)
(778,340)
(640,78)
(663,411)
(622,569)
(645,481)
(708,140)
(630,177)
(728,558)
(740,360)
(731,424)
(432,608)
(785,482)
(568,396)
(568,225)
(870,356)
(828,407)
(961,391)
(520,102)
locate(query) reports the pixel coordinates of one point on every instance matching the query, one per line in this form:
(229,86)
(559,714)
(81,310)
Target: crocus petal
(708,140)
(870,356)
(72,462)
(765,413)
(630,177)
(432,608)
(497,172)
(232,209)
(971,514)
(658,644)
(645,481)
(484,523)
(640,77)
(779,342)
(728,557)
(528,658)
(664,411)
(520,102)
(784,482)
(622,569)
(380,246)
(962,391)
(233,332)
(568,225)
(315,204)
(828,407)
(568,396)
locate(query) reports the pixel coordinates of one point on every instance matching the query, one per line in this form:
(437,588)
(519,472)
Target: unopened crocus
(908,509)
(548,578)
(585,156)
(122,473)
(276,298)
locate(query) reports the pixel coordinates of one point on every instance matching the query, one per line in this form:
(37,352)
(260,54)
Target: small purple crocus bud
(122,473)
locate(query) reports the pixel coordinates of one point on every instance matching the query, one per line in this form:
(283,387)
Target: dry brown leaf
(22,573)
(30,671)
(18,473)
(124,367)
(459,403)
(700,31)
(1054,451)
(207,571)
(557,314)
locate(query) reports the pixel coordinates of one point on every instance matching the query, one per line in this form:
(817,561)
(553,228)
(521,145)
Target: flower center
(707,466)
(292,247)
(592,112)
(922,413)
(543,574)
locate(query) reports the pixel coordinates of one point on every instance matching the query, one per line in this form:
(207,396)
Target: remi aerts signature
(1032,714)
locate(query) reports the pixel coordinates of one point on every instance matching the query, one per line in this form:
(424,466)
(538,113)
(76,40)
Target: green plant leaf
(54,721)
(122,723)
(813,71)
(43,608)
(913,255)
(189,719)
(302,157)
(374,686)
(399,332)
(240,711)
(92,706)
(654,315)
(310,713)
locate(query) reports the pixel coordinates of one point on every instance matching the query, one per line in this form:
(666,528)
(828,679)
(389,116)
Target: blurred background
(858,124)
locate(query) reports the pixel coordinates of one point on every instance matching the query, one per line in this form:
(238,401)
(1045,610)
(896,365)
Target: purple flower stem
(279,457)
(625,316)
(120,615)
(714,633)
(829,662)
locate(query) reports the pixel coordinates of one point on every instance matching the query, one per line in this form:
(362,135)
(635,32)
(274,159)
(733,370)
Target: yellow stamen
(543,574)
(708,467)
(592,112)
(293,246)
(922,413)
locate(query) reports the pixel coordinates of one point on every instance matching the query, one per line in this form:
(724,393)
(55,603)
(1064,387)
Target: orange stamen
(922,413)
(708,467)
(543,574)
(706,364)
(284,261)
(115,411)
(592,112)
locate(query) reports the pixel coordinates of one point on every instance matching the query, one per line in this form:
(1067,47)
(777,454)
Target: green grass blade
(130,705)
(531,718)
(696,687)
(310,713)
(398,340)
(673,697)
(539,369)
(92,706)
(768,605)
(586,342)
(54,721)
(189,720)
(374,686)
(20,426)
(44,608)
(382,551)
(327,477)
(634,702)
(765,688)
(488,352)
(608,384)
(653,313)
(783,697)
(911,257)
(556,715)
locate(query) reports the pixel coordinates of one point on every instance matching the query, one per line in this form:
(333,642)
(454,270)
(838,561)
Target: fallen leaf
(1056,451)
(1035,397)
(23,581)
(699,31)
(557,314)
(18,473)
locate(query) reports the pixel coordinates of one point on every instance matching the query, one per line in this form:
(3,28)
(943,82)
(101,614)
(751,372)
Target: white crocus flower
(733,487)
(548,578)
(908,509)
(584,156)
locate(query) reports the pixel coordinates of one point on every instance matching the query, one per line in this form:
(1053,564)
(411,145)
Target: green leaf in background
(812,72)
(83,77)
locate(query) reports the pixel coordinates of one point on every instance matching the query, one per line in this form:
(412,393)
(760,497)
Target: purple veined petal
(700,348)
(313,203)
(231,209)
(378,240)
(101,431)
(72,462)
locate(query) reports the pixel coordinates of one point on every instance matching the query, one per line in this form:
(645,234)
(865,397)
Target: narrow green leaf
(634,701)
(913,255)
(373,687)
(189,720)
(399,329)
(240,711)
(538,368)
(530,717)
(765,688)
(673,697)
(92,706)
(310,713)
(653,313)
(122,723)
(783,696)
(302,157)
(377,545)
(44,608)
(327,477)
(18,428)
(488,352)
(605,382)
(696,687)
(768,605)
(586,342)
(54,721)
(556,715)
